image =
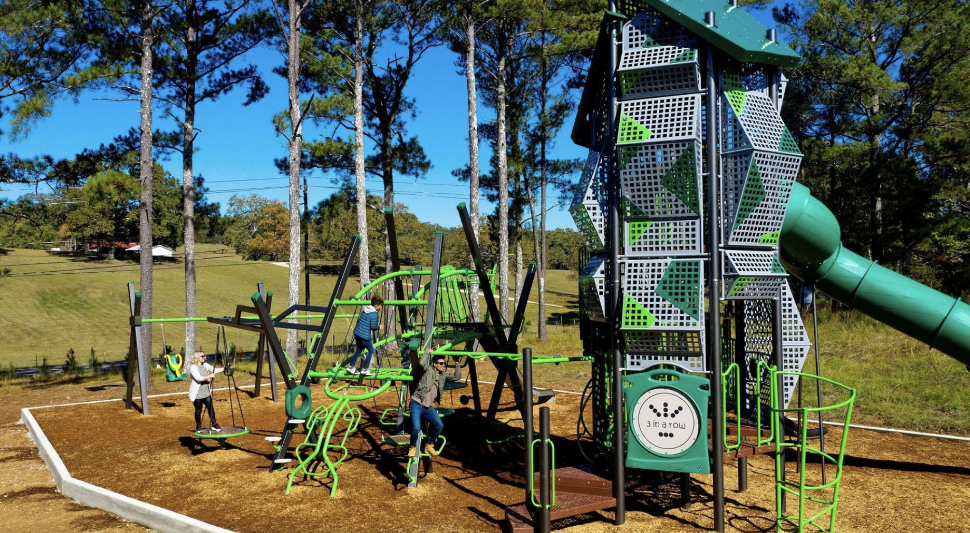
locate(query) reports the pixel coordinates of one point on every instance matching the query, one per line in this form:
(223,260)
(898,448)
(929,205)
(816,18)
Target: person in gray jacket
(427,393)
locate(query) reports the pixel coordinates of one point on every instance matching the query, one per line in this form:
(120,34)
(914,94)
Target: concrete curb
(148,515)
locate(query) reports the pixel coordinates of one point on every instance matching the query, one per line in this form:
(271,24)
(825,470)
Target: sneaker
(411,451)
(366,372)
(352,370)
(198,429)
(215,427)
(429,449)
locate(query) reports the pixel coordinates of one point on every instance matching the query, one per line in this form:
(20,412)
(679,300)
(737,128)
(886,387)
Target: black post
(529,430)
(497,319)
(545,488)
(613,268)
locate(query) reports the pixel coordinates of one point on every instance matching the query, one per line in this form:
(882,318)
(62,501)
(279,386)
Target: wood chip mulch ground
(891,482)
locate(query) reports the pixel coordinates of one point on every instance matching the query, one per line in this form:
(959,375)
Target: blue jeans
(362,344)
(430,414)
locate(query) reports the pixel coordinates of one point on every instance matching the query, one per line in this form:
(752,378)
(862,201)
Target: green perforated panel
(631,131)
(637,229)
(787,143)
(770,239)
(681,180)
(636,315)
(680,286)
(753,195)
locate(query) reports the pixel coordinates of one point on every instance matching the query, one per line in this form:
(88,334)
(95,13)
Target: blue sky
(236,145)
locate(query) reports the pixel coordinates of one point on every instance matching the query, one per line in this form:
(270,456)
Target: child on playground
(369,320)
(200,390)
(426,394)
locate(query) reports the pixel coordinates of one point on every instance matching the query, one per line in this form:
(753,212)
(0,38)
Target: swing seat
(174,368)
(226,432)
(455,385)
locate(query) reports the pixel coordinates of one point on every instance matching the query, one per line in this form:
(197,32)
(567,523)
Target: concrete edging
(148,515)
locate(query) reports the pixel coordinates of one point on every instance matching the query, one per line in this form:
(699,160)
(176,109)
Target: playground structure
(692,221)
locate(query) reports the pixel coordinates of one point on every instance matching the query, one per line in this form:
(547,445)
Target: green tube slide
(811,250)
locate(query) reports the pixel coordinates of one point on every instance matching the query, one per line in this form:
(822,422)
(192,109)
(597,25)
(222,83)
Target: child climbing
(369,321)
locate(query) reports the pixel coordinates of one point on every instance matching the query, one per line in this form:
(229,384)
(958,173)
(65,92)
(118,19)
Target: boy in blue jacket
(369,320)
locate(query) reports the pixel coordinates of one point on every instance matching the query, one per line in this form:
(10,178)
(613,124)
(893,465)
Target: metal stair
(578,491)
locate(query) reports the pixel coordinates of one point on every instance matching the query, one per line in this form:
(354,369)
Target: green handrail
(552,473)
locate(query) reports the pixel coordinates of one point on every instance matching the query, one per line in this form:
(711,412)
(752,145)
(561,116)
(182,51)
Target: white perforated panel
(663,238)
(592,282)
(755,188)
(588,207)
(662,294)
(660,119)
(661,180)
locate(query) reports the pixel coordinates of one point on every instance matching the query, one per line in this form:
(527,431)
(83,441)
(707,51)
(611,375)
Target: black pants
(198,403)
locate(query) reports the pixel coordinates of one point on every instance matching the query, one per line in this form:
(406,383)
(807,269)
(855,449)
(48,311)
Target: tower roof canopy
(735,31)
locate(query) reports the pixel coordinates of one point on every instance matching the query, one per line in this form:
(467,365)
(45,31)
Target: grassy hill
(52,304)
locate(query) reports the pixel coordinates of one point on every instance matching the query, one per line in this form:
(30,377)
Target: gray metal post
(135,346)
(269,350)
(714,293)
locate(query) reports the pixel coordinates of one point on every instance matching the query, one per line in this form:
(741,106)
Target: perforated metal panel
(755,188)
(662,294)
(663,118)
(657,58)
(645,349)
(758,326)
(660,180)
(751,274)
(663,238)
(681,76)
(588,208)
(592,282)
(749,119)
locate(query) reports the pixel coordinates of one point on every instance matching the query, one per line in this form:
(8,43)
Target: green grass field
(54,304)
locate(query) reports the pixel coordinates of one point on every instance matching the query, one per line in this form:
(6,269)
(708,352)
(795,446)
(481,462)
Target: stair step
(296,421)
(282,461)
(748,449)
(273,439)
(581,480)
(568,504)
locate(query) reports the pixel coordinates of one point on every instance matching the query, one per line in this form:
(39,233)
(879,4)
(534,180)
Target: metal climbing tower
(681,204)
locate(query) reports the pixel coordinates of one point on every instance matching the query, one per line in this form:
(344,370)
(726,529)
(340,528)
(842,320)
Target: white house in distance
(157,251)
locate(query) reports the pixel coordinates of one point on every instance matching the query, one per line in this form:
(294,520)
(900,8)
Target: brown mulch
(891,482)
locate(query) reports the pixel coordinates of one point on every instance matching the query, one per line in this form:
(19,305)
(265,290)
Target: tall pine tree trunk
(188,191)
(363,256)
(296,149)
(503,192)
(472,150)
(146,164)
